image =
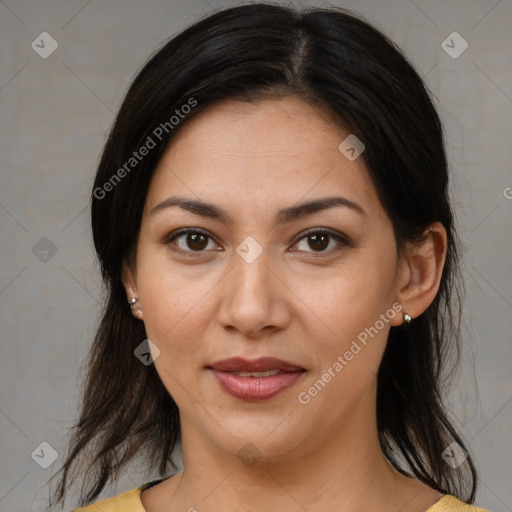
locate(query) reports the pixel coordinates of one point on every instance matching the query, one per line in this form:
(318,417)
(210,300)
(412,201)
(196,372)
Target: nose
(255,299)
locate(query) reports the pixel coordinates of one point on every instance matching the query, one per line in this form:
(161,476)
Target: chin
(270,438)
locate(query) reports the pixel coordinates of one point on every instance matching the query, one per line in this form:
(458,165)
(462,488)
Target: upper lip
(263,364)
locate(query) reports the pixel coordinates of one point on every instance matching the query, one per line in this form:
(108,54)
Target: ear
(420,271)
(129,281)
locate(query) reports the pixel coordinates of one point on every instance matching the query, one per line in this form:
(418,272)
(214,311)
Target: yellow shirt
(129,501)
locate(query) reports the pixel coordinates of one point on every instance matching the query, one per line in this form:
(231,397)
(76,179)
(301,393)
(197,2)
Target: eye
(321,241)
(191,241)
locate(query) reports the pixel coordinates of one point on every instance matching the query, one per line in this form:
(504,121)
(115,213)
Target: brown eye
(196,242)
(321,242)
(318,242)
(191,240)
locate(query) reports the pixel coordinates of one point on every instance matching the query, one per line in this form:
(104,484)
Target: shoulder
(128,501)
(450,503)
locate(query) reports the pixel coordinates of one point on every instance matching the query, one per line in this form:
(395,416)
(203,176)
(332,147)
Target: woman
(272,219)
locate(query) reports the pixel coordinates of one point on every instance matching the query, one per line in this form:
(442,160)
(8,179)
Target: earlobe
(130,287)
(420,275)
(136,308)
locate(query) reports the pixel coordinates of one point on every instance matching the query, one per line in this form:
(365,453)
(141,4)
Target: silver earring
(407,319)
(136,309)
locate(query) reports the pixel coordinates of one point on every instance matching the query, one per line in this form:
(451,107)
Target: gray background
(54,115)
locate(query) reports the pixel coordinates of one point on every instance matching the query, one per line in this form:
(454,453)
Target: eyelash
(343,240)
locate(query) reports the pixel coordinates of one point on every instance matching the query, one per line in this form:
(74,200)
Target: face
(256,275)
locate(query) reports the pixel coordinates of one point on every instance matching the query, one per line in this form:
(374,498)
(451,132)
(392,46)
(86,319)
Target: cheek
(349,324)
(177,309)
(174,322)
(348,345)
(346,299)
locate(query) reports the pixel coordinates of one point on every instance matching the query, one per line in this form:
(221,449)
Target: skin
(294,302)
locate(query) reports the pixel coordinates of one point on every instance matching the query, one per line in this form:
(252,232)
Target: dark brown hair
(328,57)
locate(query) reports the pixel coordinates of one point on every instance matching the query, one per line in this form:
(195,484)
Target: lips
(255,380)
(263,364)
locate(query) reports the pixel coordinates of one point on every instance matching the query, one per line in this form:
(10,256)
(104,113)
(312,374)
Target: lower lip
(253,389)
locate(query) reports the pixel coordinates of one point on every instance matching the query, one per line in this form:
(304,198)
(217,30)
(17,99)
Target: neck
(341,470)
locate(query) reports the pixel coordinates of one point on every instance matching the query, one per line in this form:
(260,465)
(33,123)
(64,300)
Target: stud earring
(407,319)
(136,309)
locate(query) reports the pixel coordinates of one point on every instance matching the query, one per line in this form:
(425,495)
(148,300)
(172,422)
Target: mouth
(255,380)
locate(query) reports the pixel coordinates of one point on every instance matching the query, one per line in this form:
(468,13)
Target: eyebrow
(285,215)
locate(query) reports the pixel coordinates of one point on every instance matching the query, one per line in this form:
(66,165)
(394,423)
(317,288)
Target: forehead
(279,150)
(289,126)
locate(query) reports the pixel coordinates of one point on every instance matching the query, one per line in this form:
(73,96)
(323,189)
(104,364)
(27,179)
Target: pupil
(198,240)
(319,241)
